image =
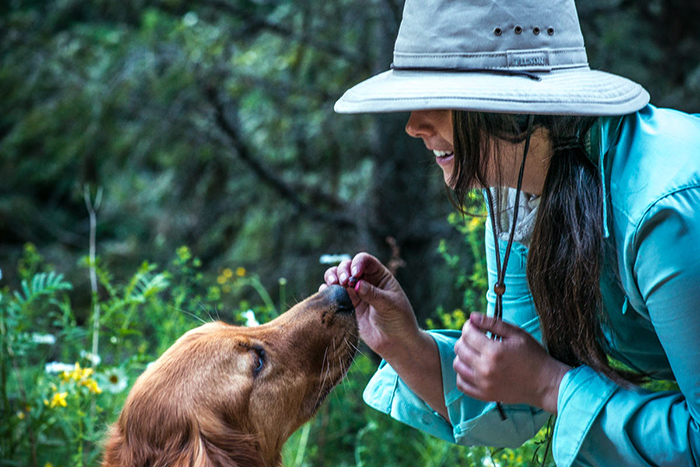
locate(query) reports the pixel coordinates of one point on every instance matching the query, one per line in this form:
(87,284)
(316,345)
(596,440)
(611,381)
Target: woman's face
(434,127)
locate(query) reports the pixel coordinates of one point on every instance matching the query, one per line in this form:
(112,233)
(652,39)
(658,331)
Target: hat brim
(578,91)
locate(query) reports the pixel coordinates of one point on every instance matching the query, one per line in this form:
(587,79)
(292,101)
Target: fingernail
(359,286)
(355,271)
(342,278)
(476,318)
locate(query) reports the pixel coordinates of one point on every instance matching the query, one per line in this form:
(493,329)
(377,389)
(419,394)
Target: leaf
(42,284)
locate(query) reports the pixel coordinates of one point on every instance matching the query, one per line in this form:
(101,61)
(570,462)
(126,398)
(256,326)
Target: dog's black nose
(340,296)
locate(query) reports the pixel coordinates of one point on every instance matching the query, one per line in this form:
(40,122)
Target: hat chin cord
(499,287)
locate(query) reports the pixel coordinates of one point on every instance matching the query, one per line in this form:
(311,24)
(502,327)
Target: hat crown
(523,35)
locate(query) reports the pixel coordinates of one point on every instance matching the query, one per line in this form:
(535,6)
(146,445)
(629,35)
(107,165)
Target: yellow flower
(240,272)
(58,399)
(474,223)
(184,253)
(20,415)
(227,273)
(221,279)
(92,386)
(48,464)
(77,372)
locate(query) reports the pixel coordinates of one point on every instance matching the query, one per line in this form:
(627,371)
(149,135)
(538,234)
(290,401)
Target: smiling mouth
(442,154)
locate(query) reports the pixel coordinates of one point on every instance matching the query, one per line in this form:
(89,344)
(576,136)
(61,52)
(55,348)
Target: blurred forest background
(168,158)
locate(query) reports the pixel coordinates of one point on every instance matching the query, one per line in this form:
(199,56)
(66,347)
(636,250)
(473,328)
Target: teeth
(441,153)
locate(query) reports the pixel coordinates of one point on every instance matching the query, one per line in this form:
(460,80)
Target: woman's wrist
(552,378)
(404,348)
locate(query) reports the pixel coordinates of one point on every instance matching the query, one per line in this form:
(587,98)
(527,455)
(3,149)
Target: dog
(228,396)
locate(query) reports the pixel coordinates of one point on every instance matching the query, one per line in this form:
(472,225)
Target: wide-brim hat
(512,56)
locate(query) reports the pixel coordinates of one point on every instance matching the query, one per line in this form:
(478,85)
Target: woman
(594,206)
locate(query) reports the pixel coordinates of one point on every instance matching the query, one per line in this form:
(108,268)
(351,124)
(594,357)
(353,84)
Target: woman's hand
(384,315)
(515,369)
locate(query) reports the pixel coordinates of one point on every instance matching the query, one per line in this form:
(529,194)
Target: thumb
(490,324)
(366,291)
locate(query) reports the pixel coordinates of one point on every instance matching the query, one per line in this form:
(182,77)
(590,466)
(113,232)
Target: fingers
(490,324)
(338,274)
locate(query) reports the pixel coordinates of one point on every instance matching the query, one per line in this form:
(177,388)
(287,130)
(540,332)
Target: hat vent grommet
(518,30)
(498,31)
(536,31)
(550,31)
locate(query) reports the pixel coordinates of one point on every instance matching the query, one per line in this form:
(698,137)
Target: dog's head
(228,395)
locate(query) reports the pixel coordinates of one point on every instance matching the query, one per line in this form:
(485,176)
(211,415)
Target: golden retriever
(226,395)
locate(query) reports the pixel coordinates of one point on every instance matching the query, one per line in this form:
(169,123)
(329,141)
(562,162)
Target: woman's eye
(259,361)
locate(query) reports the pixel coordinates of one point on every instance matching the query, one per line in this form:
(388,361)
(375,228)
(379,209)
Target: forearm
(417,362)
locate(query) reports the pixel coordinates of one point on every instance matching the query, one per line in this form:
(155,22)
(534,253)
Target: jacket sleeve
(472,422)
(600,423)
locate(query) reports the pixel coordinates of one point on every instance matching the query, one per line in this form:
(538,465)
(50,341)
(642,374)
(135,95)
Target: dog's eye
(259,361)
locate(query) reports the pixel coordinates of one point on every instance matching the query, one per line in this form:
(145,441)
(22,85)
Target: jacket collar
(600,139)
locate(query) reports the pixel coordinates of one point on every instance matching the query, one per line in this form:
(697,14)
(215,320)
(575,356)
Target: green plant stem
(92,211)
(25,403)
(257,285)
(303,442)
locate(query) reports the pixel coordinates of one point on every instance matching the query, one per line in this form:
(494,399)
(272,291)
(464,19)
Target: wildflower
(92,358)
(49,339)
(221,279)
(250,320)
(227,273)
(58,367)
(48,464)
(78,373)
(58,399)
(475,223)
(240,272)
(190,19)
(333,259)
(113,380)
(184,253)
(20,415)
(92,386)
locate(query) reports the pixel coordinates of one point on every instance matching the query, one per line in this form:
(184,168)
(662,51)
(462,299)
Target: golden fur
(209,401)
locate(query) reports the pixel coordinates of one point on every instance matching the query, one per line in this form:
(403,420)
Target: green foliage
(54,412)
(210,124)
(469,273)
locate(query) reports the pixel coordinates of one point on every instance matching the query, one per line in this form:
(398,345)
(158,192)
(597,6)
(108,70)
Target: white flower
(59,367)
(113,380)
(89,356)
(190,19)
(333,259)
(49,339)
(250,320)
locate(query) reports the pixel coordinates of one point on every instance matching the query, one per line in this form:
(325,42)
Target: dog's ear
(229,448)
(116,453)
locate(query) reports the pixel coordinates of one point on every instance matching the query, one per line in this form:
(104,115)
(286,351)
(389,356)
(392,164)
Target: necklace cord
(499,287)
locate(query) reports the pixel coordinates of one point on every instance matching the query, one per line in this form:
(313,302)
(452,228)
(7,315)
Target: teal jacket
(650,164)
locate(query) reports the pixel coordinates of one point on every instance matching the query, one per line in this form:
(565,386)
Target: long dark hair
(566,249)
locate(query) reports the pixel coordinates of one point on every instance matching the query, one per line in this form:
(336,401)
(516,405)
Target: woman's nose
(418,126)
